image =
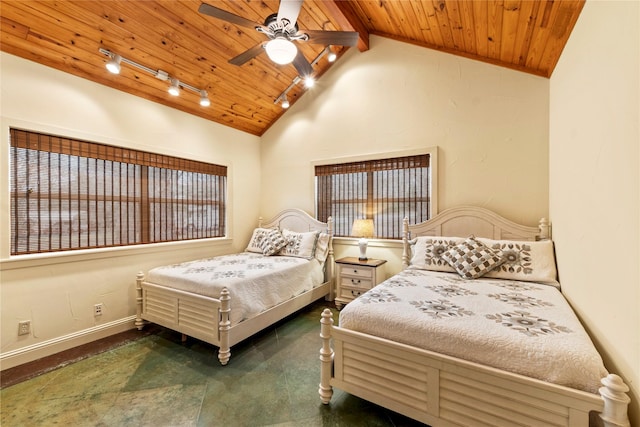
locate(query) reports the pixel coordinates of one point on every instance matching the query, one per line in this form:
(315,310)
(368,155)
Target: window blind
(385,190)
(71,194)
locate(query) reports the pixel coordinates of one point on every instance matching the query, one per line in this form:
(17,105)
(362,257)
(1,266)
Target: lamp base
(362,244)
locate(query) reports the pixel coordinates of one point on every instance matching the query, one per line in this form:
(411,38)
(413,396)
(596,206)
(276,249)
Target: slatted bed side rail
(444,391)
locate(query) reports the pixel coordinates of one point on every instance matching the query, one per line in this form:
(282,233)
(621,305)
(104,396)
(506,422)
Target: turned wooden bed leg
(616,401)
(405,243)
(326,357)
(224,353)
(139,323)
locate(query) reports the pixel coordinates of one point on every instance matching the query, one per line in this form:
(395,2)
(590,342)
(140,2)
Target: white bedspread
(255,282)
(521,327)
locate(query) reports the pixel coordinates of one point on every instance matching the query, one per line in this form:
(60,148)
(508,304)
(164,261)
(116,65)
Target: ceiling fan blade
(226,16)
(302,65)
(289,10)
(338,38)
(248,54)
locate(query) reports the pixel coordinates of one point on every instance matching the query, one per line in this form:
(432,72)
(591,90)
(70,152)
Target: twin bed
(223,300)
(473,332)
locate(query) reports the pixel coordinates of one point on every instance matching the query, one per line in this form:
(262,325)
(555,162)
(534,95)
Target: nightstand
(354,277)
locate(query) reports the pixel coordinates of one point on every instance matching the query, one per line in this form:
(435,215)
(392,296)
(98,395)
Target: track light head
(204,98)
(285,101)
(309,82)
(331,55)
(174,89)
(113,64)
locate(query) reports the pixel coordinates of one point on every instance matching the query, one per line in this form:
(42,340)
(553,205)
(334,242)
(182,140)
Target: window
(68,194)
(385,190)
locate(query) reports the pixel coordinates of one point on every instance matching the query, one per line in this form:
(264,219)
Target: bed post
(330,264)
(139,323)
(545,229)
(616,401)
(224,352)
(326,357)
(405,243)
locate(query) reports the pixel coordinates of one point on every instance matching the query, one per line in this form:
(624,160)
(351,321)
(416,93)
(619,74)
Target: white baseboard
(33,352)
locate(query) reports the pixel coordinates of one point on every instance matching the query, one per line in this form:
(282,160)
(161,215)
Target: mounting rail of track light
(113,65)
(308,80)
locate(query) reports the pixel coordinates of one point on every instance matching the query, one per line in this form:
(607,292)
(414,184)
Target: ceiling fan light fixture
(113,64)
(281,51)
(174,89)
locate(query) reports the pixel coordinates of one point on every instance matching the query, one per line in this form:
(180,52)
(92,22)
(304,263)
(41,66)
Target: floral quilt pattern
(522,327)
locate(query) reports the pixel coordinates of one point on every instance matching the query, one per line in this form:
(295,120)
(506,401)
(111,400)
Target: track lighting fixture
(331,55)
(115,60)
(204,99)
(284,101)
(113,64)
(309,80)
(174,88)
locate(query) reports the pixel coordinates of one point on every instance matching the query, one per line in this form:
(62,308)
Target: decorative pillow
(532,261)
(255,243)
(272,242)
(472,259)
(322,247)
(300,245)
(427,252)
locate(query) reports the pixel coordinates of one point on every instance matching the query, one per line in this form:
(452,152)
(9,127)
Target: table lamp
(362,228)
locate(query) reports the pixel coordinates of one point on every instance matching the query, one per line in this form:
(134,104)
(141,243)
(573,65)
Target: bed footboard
(445,391)
(204,318)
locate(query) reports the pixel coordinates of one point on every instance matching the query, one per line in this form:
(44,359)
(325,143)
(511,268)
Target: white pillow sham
(532,261)
(299,245)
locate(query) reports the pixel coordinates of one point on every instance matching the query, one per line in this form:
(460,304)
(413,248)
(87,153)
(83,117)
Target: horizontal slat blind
(68,194)
(385,190)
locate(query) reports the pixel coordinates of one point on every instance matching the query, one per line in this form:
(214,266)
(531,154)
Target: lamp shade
(362,228)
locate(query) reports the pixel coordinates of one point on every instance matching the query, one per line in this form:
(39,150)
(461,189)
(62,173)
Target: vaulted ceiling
(173,36)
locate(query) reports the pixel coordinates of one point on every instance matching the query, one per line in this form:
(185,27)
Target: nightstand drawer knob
(355,282)
(355,293)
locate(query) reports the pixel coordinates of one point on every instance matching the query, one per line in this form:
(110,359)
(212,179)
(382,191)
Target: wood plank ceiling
(174,37)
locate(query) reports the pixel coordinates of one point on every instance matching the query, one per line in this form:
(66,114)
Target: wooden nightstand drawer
(351,271)
(350,293)
(356,282)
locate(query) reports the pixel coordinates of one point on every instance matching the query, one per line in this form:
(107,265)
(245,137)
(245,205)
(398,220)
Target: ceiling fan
(281,30)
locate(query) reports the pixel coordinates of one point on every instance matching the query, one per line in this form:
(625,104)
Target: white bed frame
(207,318)
(445,391)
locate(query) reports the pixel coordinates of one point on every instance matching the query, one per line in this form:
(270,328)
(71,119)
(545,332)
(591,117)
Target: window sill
(52,258)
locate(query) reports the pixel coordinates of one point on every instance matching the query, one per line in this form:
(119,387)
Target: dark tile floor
(152,379)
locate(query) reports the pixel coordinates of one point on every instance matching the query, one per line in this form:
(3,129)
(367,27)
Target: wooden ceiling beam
(348,20)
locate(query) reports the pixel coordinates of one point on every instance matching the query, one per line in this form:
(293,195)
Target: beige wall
(594,181)
(490,125)
(57,293)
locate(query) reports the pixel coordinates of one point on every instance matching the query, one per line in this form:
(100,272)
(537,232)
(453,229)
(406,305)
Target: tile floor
(155,380)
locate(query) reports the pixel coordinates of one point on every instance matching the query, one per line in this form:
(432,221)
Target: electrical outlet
(24,327)
(97,310)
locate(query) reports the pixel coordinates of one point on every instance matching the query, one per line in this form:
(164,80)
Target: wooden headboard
(464,221)
(297,220)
